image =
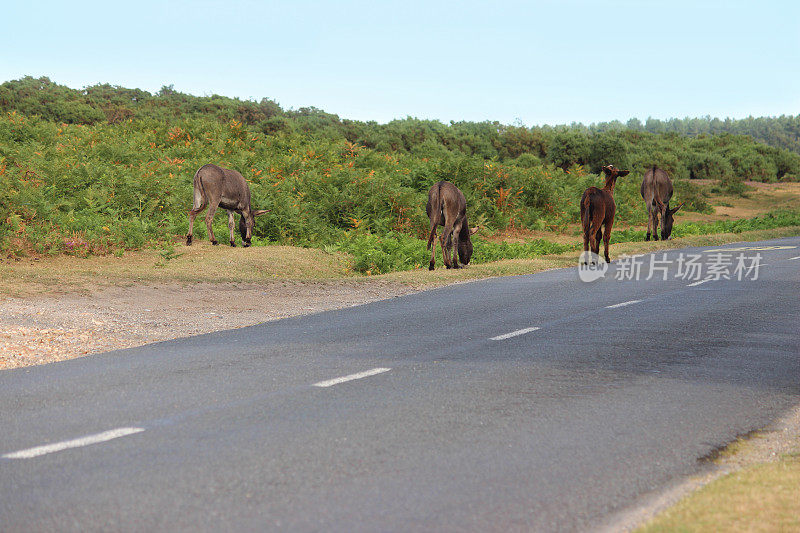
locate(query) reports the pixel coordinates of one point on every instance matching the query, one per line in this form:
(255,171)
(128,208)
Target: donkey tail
(435,202)
(587,212)
(199,197)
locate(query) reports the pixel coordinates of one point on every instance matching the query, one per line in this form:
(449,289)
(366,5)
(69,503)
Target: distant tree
(568,147)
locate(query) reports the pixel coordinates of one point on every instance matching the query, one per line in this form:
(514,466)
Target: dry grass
(198,263)
(762,198)
(764,497)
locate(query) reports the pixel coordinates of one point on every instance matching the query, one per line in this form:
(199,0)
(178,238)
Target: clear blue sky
(536,62)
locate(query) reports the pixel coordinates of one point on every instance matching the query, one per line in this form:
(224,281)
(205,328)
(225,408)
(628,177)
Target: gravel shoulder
(54,327)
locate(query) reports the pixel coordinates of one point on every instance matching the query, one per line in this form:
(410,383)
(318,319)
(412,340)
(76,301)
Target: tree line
(691,147)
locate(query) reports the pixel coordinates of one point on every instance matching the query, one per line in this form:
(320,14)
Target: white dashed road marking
(750,249)
(75,443)
(696,283)
(623,304)
(351,377)
(513,334)
(793,258)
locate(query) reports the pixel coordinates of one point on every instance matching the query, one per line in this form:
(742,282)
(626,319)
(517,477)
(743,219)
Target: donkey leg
(432,264)
(212,210)
(606,238)
(446,239)
(586,228)
(655,224)
(649,223)
(192,215)
(443,244)
(585,254)
(597,239)
(454,253)
(231,228)
(456,234)
(595,234)
(199,202)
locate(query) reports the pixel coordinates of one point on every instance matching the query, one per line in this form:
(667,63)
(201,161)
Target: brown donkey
(597,211)
(447,207)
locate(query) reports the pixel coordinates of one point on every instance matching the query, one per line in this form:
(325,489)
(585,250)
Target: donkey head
(667,218)
(246,223)
(612,173)
(465,244)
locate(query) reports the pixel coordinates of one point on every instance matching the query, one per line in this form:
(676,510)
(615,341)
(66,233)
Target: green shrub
(711,165)
(691,195)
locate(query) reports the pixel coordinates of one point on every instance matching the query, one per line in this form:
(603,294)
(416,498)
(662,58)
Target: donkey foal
(597,213)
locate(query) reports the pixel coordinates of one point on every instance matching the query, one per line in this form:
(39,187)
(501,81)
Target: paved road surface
(453,412)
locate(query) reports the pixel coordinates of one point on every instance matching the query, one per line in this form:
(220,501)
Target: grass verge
(762,497)
(205,263)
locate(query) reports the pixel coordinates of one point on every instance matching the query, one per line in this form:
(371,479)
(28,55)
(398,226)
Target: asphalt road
(457,415)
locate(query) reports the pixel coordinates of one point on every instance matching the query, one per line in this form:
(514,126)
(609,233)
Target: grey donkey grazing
(220,187)
(447,207)
(657,191)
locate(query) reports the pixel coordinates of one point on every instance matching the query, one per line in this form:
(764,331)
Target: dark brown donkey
(657,191)
(219,187)
(447,207)
(597,212)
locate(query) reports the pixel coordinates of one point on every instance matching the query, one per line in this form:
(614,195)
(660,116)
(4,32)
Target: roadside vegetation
(107,169)
(762,495)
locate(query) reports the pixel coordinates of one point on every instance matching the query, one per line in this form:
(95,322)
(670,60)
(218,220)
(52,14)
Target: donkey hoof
(188,240)
(233,244)
(647,238)
(246,244)
(430,267)
(214,243)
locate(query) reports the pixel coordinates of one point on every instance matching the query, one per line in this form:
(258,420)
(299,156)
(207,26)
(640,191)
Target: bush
(710,166)
(691,195)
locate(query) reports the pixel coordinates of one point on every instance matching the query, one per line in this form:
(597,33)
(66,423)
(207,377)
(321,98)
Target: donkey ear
(474,230)
(673,211)
(260,212)
(621,173)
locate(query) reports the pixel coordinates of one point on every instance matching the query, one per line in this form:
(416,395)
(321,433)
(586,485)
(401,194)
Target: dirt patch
(55,327)
(763,198)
